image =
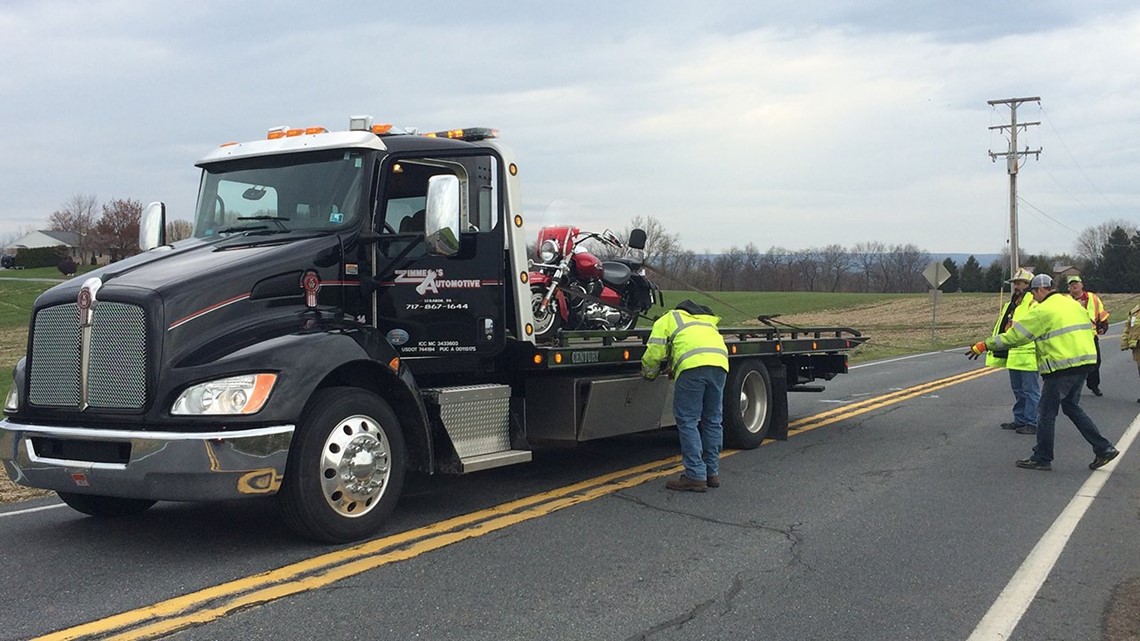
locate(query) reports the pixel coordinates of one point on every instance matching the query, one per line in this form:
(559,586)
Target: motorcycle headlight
(12,403)
(234,395)
(548,251)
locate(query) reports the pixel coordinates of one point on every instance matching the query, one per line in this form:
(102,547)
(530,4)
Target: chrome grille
(116,357)
(55,357)
(117,368)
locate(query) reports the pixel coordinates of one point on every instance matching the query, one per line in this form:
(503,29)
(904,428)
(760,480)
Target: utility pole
(1012,157)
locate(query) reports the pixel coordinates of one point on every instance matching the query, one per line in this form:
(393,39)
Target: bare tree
(662,249)
(905,262)
(775,269)
(835,262)
(1091,242)
(77,215)
(751,271)
(726,269)
(178,230)
(807,268)
(867,256)
(117,231)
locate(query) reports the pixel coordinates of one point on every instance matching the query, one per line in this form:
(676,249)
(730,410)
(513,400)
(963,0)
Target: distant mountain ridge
(985,260)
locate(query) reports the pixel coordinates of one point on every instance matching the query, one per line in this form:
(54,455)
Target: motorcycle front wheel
(547,321)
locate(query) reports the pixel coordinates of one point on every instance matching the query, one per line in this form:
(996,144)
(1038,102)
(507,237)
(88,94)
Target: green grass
(40,272)
(16,300)
(735,308)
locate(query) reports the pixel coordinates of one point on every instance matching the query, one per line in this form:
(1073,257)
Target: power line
(1034,208)
(1074,159)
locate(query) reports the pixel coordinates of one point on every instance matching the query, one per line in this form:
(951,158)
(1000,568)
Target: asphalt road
(894,512)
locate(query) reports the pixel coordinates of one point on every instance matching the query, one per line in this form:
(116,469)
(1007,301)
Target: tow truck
(352,305)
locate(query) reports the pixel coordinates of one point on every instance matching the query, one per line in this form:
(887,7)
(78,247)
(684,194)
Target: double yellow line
(212,603)
(862,407)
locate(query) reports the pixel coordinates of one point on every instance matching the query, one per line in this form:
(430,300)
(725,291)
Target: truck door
(434,306)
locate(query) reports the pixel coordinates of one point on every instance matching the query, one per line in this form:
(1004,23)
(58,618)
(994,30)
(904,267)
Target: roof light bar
(292,132)
(360,123)
(470,134)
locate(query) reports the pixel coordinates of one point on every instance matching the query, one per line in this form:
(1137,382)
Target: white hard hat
(1022,274)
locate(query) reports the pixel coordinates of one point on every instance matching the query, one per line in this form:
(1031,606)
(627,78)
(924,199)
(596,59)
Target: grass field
(896,323)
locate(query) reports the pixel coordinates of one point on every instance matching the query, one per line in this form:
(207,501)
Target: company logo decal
(311,283)
(86,300)
(398,337)
(432,280)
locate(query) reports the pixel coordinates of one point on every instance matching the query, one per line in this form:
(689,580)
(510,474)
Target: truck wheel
(346,467)
(547,321)
(747,405)
(105,506)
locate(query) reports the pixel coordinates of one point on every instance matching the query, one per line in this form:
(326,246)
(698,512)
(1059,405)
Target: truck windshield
(271,194)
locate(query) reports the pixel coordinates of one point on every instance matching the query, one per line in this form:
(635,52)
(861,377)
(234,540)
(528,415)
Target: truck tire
(547,321)
(105,506)
(747,404)
(346,466)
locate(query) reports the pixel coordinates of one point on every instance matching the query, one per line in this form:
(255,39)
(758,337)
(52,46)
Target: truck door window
(406,190)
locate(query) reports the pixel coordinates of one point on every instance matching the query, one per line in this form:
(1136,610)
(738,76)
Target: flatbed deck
(586,348)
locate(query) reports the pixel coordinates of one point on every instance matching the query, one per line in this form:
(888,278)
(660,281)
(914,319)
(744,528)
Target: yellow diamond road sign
(936,273)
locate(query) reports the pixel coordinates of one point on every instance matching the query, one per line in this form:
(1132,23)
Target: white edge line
(31,509)
(903,358)
(1014,600)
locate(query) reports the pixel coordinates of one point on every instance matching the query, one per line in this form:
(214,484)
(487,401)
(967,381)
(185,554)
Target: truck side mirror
(441,220)
(152,226)
(637,238)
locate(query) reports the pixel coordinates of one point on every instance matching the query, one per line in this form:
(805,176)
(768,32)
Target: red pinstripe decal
(235,299)
(211,308)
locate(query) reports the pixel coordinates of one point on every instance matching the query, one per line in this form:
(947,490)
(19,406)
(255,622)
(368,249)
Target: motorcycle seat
(616,273)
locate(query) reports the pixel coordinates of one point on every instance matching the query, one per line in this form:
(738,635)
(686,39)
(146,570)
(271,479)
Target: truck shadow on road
(253,526)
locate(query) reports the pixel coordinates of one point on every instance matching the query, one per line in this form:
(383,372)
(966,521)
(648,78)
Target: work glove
(976,350)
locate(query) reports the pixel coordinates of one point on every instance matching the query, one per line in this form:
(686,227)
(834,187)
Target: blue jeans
(698,406)
(1026,395)
(1064,391)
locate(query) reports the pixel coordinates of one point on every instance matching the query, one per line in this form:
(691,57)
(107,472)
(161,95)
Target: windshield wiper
(235,229)
(261,229)
(278,220)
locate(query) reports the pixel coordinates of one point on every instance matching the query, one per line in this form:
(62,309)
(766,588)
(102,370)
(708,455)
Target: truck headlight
(234,395)
(547,251)
(12,403)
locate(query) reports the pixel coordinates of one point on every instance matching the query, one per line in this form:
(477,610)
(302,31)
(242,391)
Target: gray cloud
(732,122)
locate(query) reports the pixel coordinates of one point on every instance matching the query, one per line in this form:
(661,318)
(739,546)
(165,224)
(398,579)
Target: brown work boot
(685,484)
(713,480)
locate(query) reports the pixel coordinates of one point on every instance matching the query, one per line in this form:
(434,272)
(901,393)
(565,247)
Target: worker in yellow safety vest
(1094,306)
(1020,361)
(687,341)
(1130,339)
(1063,335)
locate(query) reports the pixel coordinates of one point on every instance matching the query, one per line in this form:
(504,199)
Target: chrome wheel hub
(355,466)
(753,402)
(542,317)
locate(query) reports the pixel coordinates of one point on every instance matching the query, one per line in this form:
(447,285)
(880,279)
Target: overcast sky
(792,124)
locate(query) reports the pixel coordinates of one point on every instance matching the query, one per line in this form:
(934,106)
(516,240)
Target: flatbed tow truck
(351,306)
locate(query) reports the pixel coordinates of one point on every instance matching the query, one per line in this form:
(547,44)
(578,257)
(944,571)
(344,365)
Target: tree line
(110,229)
(1107,256)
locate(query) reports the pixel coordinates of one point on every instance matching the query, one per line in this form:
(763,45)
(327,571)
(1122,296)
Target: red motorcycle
(572,289)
